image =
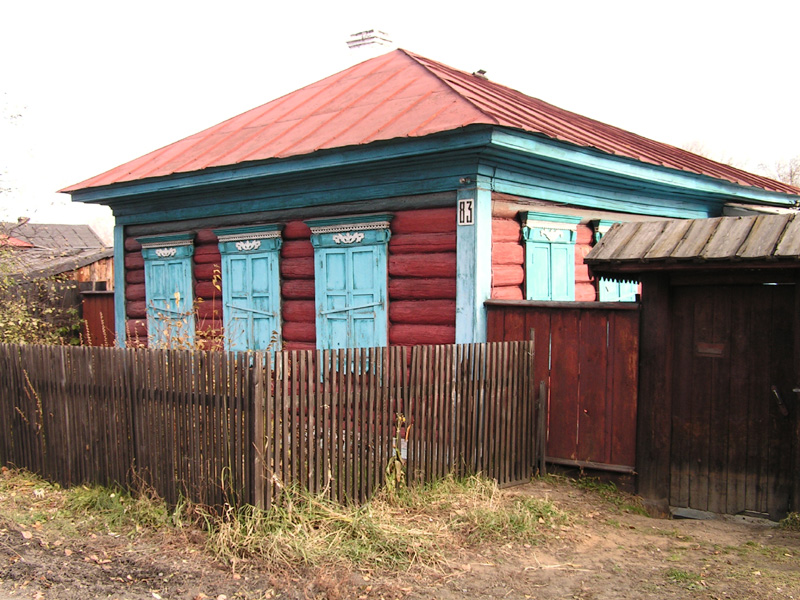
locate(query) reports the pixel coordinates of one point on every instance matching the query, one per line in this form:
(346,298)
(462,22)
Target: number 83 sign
(466,213)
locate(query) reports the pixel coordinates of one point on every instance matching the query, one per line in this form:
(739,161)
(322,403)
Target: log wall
(421,283)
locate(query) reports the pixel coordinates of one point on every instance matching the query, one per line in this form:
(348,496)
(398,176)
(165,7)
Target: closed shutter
(168,290)
(549,256)
(350,281)
(352,298)
(251,287)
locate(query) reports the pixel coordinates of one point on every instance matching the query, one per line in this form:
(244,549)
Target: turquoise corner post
(119,284)
(474,261)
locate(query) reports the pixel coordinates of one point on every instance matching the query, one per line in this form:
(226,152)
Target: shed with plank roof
(719,362)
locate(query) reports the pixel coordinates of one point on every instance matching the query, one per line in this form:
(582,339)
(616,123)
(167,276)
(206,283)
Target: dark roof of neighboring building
(50,249)
(758,238)
(400,95)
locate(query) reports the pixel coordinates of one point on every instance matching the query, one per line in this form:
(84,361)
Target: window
(168,290)
(350,280)
(549,255)
(251,295)
(613,290)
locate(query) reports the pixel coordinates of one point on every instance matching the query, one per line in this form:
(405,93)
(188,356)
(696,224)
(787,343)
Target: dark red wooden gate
(98,318)
(588,353)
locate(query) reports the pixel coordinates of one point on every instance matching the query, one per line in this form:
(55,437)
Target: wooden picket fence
(220,427)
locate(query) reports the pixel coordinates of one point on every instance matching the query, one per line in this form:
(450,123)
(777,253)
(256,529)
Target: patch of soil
(604,553)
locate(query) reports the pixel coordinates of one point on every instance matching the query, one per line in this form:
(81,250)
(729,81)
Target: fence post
(259,474)
(541,428)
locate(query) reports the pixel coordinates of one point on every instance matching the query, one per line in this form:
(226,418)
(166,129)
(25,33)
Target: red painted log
(209,327)
(207,271)
(209,309)
(297,268)
(205,236)
(507,253)
(430,312)
(206,290)
(585,235)
(432,220)
(136,309)
(417,243)
(299,332)
(503,275)
(298,289)
(136,328)
(585,292)
(134,276)
(508,293)
(299,345)
(506,230)
(299,310)
(296,230)
(207,254)
(421,289)
(582,273)
(135,291)
(296,249)
(134,261)
(581,250)
(131,245)
(423,265)
(412,335)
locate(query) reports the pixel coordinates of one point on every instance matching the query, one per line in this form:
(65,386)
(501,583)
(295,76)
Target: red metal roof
(399,94)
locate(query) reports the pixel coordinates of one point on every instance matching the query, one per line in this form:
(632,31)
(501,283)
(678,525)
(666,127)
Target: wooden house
(719,411)
(386,204)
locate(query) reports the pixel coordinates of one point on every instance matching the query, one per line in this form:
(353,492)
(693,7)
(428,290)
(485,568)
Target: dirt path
(604,553)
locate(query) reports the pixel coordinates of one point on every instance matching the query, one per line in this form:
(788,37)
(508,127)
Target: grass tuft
(610,493)
(791,522)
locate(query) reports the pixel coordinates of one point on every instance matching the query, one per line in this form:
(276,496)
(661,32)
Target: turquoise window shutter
(549,256)
(350,281)
(169,290)
(251,287)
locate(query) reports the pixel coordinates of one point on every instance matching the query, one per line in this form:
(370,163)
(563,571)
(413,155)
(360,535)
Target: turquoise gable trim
(251,287)
(350,277)
(120,318)
(549,255)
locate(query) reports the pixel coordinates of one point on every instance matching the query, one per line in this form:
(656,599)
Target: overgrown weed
(791,521)
(411,526)
(609,492)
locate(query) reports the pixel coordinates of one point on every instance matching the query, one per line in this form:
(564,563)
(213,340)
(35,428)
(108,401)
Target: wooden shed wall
(421,283)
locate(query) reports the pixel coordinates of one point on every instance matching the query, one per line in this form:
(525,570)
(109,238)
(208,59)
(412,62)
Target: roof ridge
(419,60)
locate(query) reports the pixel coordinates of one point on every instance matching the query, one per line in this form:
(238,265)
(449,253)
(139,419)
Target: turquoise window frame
(549,255)
(613,290)
(350,280)
(251,292)
(169,290)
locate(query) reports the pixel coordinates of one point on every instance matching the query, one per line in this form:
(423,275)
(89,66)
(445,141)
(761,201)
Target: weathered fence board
(238,428)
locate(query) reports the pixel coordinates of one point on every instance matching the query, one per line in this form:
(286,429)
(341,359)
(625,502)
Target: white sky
(100,83)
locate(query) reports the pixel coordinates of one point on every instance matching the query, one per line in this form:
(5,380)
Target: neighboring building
(385,204)
(72,252)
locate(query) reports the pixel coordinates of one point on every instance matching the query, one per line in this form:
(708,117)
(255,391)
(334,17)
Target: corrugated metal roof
(399,95)
(751,238)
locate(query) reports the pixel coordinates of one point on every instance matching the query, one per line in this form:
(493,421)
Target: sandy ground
(604,553)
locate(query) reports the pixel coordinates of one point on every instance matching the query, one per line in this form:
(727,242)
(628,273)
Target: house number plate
(466,212)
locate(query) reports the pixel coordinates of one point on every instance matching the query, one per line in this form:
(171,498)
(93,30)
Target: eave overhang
(501,159)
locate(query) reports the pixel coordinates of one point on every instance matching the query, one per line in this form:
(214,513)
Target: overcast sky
(99,83)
